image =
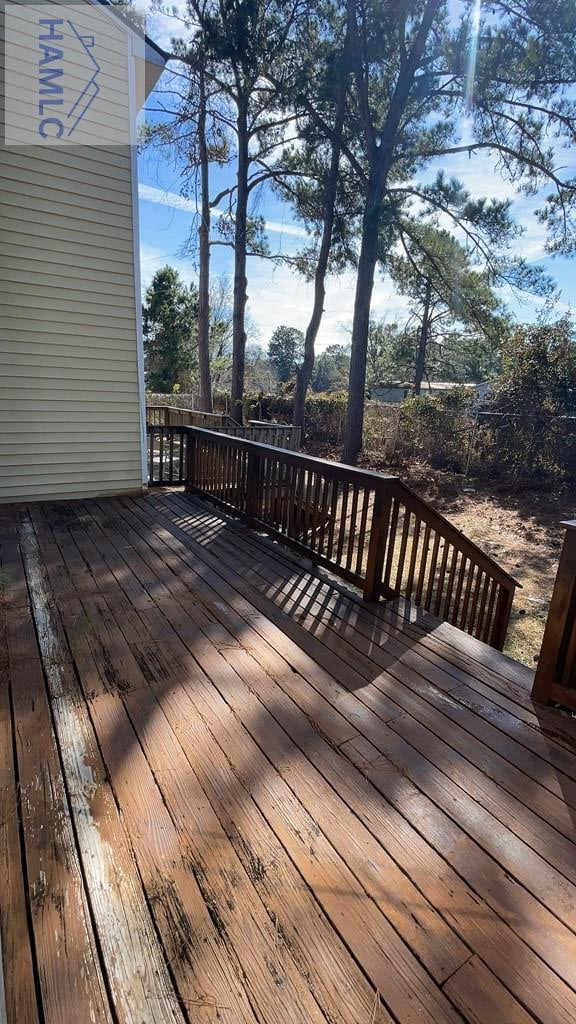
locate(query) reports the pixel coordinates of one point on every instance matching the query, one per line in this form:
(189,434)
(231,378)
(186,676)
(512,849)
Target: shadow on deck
(231,791)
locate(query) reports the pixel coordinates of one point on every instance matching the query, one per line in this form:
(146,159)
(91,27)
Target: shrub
(437,428)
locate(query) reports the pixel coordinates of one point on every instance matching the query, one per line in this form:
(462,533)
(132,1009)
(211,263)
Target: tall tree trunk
(240,283)
(381,158)
(204,248)
(360,329)
(423,340)
(304,372)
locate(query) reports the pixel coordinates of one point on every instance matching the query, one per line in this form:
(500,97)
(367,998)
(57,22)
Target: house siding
(70,409)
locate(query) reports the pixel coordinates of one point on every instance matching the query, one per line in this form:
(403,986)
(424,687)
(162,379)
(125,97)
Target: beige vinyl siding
(69,383)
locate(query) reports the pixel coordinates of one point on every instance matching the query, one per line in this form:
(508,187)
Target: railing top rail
(372,479)
(196,412)
(272,423)
(339,469)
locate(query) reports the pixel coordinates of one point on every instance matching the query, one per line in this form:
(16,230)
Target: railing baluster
(403,546)
(432,571)
(413,556)
(333,513)
(487,629)
(467,594)
(366,496)
(423,566)
(453,618)
(342,529)
(391,546)
(315,516)
(323,514)
(253,478)
(474,603)
(501,617)
(447,593)
(171,457)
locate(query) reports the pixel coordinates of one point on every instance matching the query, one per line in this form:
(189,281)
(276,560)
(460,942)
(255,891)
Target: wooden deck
(230,791)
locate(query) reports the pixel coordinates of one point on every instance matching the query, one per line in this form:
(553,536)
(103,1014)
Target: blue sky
(278,295)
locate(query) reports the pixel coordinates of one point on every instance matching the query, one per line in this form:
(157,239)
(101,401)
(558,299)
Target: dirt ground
(520,530)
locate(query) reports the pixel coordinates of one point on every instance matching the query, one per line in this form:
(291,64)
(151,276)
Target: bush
(325,413)
(437,428)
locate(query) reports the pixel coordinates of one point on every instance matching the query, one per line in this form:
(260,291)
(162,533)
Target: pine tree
(170,321)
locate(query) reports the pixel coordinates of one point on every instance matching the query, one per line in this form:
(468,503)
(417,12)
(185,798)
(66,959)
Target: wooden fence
(369,529)
(555,679)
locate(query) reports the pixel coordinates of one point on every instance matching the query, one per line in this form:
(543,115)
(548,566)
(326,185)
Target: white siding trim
(136,259)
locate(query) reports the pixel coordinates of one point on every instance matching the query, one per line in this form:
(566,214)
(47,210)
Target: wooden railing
(369,529)
(555,678)
(279,435)
(171,416)
(166,455)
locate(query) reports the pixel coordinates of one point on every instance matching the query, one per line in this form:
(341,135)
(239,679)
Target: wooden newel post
(253,485)
(190,460)
(377,547)
(555,678)
(502,617)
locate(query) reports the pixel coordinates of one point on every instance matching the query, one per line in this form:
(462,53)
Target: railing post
(190,482)
(555,677)
(377,547)
(253,495)
(501,617)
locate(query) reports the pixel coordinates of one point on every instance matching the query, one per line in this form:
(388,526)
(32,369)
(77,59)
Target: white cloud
(276,295)
(176,202)
(153,258)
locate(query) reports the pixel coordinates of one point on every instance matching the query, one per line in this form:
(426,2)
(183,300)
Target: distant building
(393,392)
(437,387)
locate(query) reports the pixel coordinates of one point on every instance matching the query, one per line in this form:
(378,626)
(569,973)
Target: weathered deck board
(18,996)
(137,972)
(273,803)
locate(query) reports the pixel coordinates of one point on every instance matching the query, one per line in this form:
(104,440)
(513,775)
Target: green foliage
(170,316)
(285,351)
(390,354)
(325,414)
(531,433)
(437,428)
(331,369)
